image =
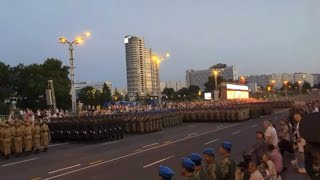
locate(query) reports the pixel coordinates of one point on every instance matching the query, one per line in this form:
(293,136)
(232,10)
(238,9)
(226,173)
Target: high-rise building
(142,71)
(200,77)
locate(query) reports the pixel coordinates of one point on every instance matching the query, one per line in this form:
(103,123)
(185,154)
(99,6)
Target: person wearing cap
(6,141)
(188,168)
(309,130)
(165,173)
(36,137)
(18,139)
(199,171)
(211,166)
(227,164)
(28,138)
(44,129)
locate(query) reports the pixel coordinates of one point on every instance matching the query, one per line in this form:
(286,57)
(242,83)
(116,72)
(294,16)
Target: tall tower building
(142,70)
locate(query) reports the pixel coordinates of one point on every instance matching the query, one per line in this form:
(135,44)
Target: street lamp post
(285,88)
(273,82)
(300,87)
(158,59)
(77,40)
(215,73)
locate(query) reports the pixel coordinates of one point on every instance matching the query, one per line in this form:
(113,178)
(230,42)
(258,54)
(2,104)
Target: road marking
(166,142)
(95,162)
(37,178)
(255,125)
(55,145)
(139,152)
(107,143)
(19,162)
(58,170)
(192,134)
(219,127)
(161,160)
(235,132)
(211,141)
(150,145)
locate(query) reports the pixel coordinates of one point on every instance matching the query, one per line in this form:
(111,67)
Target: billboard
(231,94)
(207,96)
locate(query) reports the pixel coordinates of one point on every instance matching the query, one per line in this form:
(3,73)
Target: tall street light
(158,59)
(300,87)
(285,88)
(76,41)
(273,83)
(215,73)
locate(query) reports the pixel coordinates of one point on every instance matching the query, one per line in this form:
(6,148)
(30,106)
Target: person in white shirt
(270,134)
(254,173)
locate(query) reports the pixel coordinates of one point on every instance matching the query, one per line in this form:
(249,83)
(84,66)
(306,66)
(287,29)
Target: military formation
(110,127)
(234,113)
(17,137)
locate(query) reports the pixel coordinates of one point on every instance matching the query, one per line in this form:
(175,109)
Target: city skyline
(257,37)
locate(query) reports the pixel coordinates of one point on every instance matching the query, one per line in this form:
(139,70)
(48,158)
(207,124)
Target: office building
(142,71)
(200,77)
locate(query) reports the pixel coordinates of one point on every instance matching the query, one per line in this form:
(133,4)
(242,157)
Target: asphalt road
(136,157)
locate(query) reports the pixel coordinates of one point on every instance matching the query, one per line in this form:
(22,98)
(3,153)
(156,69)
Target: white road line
(255,125)
(19,162)
(219,127)
(139,152)
(107,143)
(211,142)
(150,145)
(55,145)
(58,170)
(235,132)
(192,134)
(161,160)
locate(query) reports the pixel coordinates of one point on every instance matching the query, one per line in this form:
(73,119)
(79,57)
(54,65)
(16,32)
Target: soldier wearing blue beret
(188,167)
(165,173)
(211,168)
(199,171)
(227,164)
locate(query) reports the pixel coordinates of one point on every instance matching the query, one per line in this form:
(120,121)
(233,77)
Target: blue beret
(165,172)
(188,163)
(209,151)
(226,146)
(196,158)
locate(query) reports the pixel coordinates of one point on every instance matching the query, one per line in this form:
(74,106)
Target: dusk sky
(258,36)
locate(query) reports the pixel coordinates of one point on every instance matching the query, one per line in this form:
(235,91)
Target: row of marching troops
(234,113)
(110,127)
(17,137)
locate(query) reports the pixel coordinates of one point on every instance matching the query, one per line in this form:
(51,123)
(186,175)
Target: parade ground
(138,156)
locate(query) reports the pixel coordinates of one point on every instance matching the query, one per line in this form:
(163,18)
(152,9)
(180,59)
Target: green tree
(105,95)
(169,92)
(6,89)
(193,92)
(117,95)
(87,95)
(211,85)
(306,87)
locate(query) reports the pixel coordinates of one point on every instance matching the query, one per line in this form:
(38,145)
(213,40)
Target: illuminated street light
(273,83)
(285,88)
(300,87)
(77,40)
(158,59)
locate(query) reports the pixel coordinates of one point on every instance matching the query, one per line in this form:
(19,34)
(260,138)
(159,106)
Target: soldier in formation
(18,137)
